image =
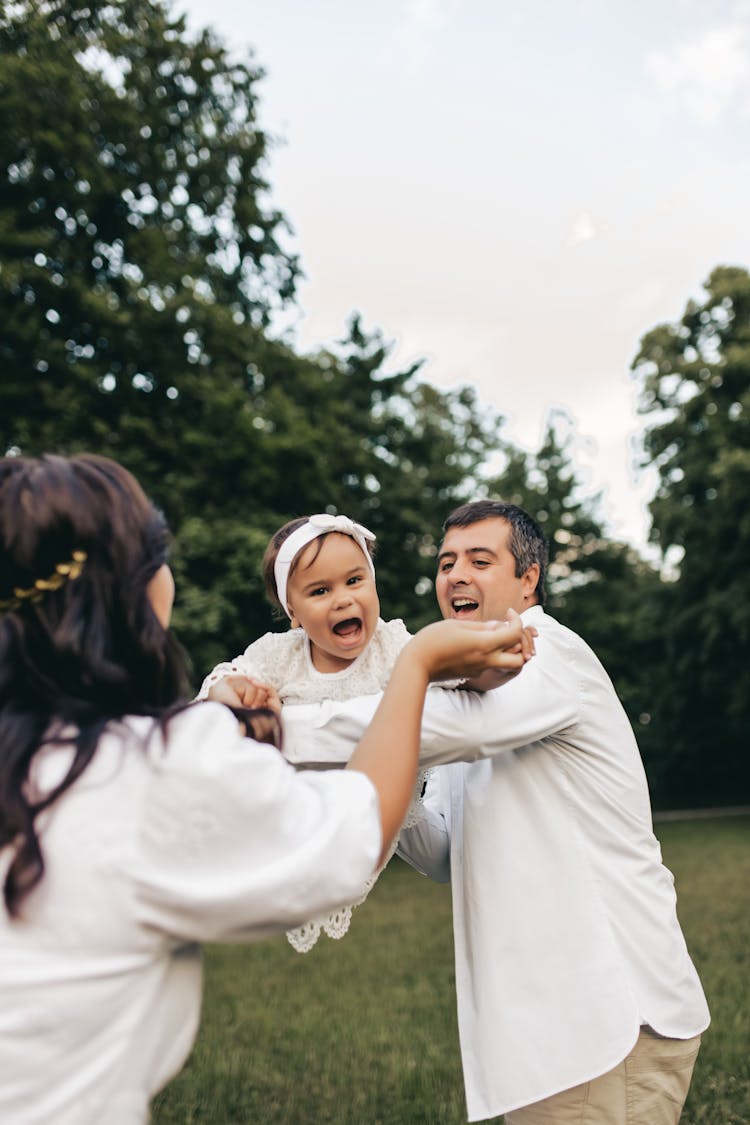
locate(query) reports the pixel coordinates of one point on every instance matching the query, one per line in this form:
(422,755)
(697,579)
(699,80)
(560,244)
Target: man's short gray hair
(527,542)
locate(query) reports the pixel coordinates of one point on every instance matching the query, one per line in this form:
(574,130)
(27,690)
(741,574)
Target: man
(577,1000)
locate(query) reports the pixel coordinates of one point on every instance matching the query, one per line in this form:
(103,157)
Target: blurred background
(436,252)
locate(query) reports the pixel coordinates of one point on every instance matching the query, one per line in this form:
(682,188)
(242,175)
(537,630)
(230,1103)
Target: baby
(319,571)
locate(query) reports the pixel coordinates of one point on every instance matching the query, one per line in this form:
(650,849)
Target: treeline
(141,265)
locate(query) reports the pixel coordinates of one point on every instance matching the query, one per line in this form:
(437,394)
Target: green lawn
(363,1031)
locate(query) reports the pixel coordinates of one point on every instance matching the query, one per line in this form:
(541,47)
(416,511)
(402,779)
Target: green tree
(346,435)
(695,392)
(140,267)
(425,450)
(545,484)
(134,239)
(139,260)
(600,588)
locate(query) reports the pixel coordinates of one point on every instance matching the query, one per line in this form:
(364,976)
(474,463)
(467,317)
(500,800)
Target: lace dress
(283,661)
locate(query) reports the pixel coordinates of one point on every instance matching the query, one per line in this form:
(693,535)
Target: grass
(711,862)
(363,1031)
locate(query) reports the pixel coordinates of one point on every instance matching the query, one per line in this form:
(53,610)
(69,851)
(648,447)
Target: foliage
(545,484)
(140,265)
(132,226)
(695,393)
(600,588)
(363,1031)
(711,862)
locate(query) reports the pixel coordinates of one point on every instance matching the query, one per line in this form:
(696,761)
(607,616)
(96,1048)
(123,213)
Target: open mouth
(463,606)
(349,630)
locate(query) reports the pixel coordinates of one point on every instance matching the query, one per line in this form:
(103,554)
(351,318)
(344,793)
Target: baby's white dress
(284,661)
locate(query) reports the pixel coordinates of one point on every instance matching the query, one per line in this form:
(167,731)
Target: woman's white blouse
(161,844)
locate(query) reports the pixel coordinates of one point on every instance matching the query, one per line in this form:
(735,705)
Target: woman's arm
(389,749)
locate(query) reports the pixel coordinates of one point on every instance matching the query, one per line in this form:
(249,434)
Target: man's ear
(529,583)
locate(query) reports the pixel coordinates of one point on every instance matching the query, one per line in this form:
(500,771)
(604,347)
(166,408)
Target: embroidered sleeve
(393,636)
(265,660)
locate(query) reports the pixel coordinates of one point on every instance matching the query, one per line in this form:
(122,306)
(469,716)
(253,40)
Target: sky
(514,192)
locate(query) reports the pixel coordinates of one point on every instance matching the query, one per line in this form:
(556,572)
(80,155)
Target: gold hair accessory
(63,572)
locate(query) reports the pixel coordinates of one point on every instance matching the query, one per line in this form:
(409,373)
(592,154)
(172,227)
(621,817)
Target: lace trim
(335,924)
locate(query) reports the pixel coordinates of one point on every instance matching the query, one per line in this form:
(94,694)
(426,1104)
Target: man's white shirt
(566,933)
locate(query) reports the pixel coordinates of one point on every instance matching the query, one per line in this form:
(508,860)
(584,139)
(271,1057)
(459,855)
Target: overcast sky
(515,192)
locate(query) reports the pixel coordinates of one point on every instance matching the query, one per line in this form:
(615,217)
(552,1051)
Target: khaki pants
(648,1087)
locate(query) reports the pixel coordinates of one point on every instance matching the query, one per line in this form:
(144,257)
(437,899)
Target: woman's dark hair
(79,647)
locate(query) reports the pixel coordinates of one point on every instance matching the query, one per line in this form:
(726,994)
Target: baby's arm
(249,680)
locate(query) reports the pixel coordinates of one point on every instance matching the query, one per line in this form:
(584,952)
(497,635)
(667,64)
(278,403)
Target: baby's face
(334,599)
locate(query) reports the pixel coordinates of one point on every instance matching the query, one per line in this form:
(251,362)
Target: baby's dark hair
(272,553)
(527,542)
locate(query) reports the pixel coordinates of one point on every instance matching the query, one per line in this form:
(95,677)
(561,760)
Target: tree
(600,588)
(425,449)
(139,261)
(344,435)
(140,266)
(133,231)
(695,392)
(545,485)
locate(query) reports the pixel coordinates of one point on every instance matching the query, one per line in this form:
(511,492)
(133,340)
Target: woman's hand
(495,677)
(465,649)
(447,650)
(241,692)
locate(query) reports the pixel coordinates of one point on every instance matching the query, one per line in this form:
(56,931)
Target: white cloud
(422,23)
(426,14)
(583,229)
(646,296)
(711,72)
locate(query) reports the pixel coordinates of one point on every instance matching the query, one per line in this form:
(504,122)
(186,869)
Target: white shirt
(209,837)
(566,935)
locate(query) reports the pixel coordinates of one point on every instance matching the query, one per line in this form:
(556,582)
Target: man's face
(476,576)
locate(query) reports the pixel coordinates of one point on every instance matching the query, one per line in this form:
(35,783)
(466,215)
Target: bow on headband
(317,525)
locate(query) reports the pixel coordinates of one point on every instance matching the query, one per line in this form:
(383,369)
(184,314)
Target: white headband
(316,526)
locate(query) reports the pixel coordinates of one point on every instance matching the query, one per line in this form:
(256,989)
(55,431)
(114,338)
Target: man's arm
(426,846)
(543,700)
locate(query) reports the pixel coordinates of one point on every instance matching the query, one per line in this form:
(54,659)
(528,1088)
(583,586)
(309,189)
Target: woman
(131,828)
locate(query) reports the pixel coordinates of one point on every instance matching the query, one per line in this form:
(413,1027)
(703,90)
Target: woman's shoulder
(200,721)
(202,738)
